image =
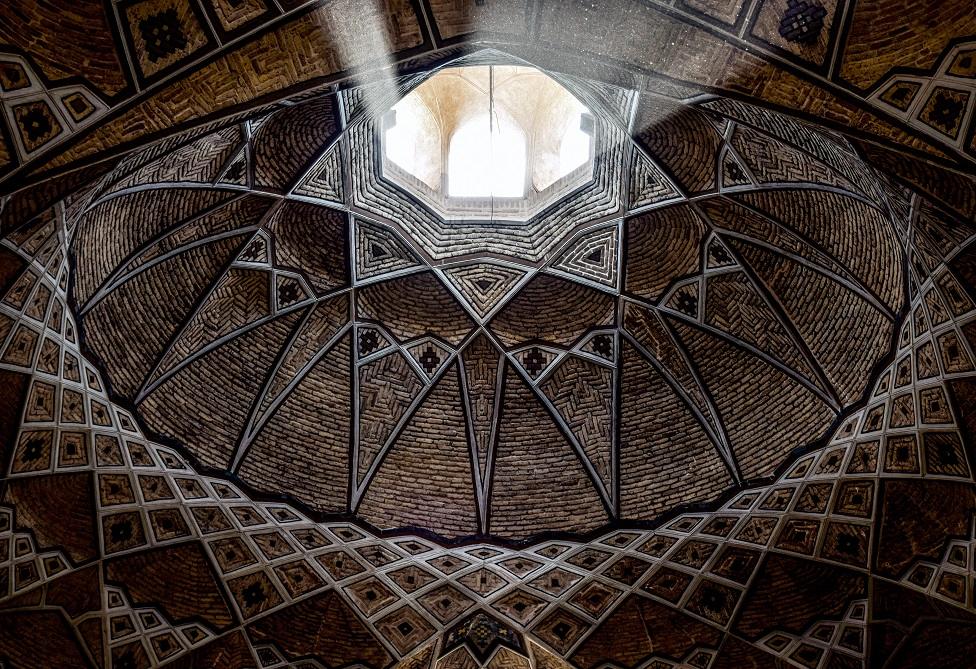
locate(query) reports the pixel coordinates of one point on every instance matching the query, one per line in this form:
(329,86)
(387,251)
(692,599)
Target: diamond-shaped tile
(414,547)
(668,584)
(446,602)
(657,546)
(340,564)
(377,555)
(627,569)
(411,578)
(595,598)
(555,581)
(561,629)
(520,566)
(405,629)
(484,581)
(370,595)
(589,558)
(520,606)
(621,539)
(448,564)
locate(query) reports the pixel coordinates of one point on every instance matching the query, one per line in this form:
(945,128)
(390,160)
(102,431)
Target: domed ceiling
(308,326)
(704,401)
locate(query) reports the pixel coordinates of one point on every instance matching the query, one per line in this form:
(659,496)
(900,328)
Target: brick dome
(705,400)
(662,337)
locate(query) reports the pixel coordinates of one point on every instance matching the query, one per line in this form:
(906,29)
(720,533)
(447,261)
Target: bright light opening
(489,141)
(486,159)
(574,149)
(401,134)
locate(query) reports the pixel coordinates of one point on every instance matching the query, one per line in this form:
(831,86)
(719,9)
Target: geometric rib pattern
(272,587)
(746,242)
(594,256)
(284,327)
(535,239)
(869,80)
(483,285)
(938,102)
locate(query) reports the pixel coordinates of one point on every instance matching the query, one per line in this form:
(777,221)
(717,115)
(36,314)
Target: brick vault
(711,404)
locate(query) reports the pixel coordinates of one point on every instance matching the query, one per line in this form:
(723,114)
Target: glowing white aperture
(468,136)
(486,159)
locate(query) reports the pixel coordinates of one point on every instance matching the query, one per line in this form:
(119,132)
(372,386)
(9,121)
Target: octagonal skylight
(488,142)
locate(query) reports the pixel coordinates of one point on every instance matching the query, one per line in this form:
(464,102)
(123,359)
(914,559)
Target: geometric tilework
(594,257)
(161,34)
(378,251)
(191,50)
(707,568)
(939,102)
(484,285)
(325,181)
(647,184)
(39,116)
(708,291)
(644,428)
